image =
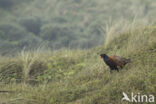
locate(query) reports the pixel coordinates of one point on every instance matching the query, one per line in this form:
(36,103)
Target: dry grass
(81,77)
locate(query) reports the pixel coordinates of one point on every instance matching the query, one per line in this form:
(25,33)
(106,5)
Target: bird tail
(126,61)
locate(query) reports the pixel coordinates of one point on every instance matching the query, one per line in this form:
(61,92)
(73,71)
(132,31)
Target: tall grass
(114,30)
(80,76)
(27,58)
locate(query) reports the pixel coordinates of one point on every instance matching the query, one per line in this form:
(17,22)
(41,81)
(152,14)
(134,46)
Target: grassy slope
(80,76)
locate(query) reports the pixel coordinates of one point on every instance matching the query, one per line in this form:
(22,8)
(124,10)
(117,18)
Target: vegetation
(72,24)
(80,76)
(50,50)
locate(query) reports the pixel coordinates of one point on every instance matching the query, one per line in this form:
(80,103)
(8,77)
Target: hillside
(80,76)
(71,24)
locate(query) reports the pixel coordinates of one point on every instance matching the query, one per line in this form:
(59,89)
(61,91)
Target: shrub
(30,41)
(12,32)
(6,3)
(7,48)
(60,36)
(10,71)
(32,24)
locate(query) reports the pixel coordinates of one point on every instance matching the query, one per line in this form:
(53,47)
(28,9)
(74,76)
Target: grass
(80,76)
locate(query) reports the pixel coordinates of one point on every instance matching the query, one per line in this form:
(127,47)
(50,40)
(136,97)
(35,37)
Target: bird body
(114,61)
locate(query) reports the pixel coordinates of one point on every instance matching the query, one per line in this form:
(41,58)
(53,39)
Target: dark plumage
(114,61)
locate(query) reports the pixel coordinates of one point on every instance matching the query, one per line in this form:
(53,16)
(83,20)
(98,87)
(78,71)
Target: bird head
(103,55)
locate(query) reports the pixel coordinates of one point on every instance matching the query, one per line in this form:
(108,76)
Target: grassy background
(80,76)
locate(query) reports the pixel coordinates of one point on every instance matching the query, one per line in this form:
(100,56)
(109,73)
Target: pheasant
(114,61)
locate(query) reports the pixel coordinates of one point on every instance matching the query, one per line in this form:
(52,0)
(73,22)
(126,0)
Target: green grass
(80,76)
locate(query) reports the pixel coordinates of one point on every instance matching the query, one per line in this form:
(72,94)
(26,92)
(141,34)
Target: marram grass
(80,76)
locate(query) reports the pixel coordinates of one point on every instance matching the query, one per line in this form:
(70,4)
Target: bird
(114,61)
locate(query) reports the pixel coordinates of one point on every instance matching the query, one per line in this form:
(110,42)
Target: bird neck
(106,58)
